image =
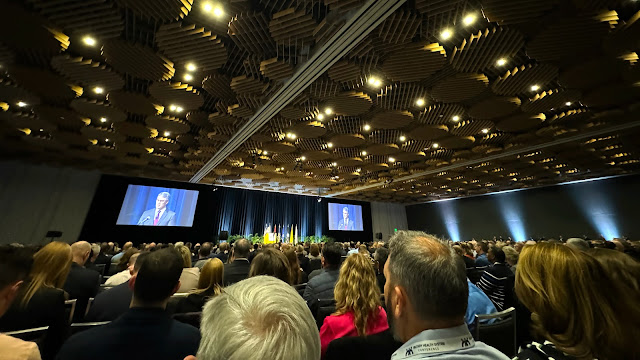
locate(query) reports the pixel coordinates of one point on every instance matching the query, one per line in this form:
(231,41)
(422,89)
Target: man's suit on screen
(168,218)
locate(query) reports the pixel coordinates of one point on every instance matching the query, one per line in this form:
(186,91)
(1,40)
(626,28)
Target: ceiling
(445,98)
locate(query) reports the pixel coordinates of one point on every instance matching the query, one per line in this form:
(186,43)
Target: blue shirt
(482,260)
(479,303)
(450,343)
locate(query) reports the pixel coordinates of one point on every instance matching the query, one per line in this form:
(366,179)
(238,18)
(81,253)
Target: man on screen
(345,223)
(160,216)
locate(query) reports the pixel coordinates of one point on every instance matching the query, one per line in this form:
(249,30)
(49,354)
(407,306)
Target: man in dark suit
(378,346)
(81,283)
(160,216)
(114,302)
(238,268)
(322,285)
(345,223)
(498,280)
(145,331)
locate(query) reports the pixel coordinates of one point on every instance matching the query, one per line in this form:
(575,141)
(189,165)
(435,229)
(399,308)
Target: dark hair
(104,248)
(205,249)
(241,248)
(332,253)
(271,262)
(158,275)
(139,259)
(498,254)
(15,263)
(123,264)
(381,256)
(484,246)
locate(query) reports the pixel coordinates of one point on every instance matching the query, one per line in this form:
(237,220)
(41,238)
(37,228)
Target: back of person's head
(128,245)
(241,248)
(224,247)
(511,255)
(138,261)
(497,254)
(357,291)
(158,277)
(294,265)
(205,249)
(95,250)
(575,305)
(15,263)
(363,250)
(484,246)
(458,249)
(271,262)
(381,255)
(211,276)
(427,273)
(332,254)
(314,250)
(621,268)
(124,260)
(258,318)
(104,248)
(186,255)
(51,265)
(299,249)
(81,250)
(578,244)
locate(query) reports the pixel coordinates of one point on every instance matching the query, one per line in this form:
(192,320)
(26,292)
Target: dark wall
(604,208)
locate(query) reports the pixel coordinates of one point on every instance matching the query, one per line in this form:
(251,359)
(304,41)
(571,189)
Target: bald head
(80,251)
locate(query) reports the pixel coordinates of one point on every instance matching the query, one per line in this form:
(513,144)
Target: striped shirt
(497,282)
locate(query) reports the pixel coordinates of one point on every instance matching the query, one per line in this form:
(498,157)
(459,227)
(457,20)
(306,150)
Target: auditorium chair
(500,334)
(34,334)
(326,307)
(70,309)
(300,288)
(89,303)
(315,264)
(79,327)
(100,268)
(191,318)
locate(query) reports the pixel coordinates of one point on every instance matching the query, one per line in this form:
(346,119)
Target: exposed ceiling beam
(528,149)
(365,20)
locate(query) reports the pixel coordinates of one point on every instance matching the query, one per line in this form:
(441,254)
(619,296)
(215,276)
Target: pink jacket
(337,326)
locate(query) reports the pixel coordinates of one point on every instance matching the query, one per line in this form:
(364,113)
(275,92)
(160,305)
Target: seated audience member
(40,301)
(380,258)
(469,263)
(497,280)
(145,331)
(511,257)
(298,276)
(271,262)
(478,304)
(321,286)
(104,258)
(302,260)
(15,263)
(203,255)
(116,258)
(426,295)
(81,283)
(95,251)
(481,254)
(258,318)
(358,307)
(362,250)
(578,244)
(209,285)
(123,263)
(620,267)
(577,310)
(315,260)
(223,252)
(109,305)
(190,275)
(238,268)
(124,275)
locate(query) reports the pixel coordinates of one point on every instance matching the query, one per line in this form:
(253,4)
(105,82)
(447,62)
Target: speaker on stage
(379,236)
(224,235)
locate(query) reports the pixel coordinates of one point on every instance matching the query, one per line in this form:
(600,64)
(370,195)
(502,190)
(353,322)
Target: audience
(298,276)
(238,268)
(302,259)
(321,286)
(190,275)
(426,295)
(223,254)
(116,258)
(145,331)
(379,259)
(81,283)
(315,261)
(358,306)
(577,311)
(578,244)
(114,302)
(124,275)
(40,301)
(481,254)
(15,263)
(209,285)
(123,263)
(271,262)
(203,254)
(103,258)
(511,257)
(258,318)
(620,267)
(497,280)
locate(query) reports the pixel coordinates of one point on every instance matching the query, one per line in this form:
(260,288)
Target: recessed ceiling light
(22,104)
(367,127)
(179,109)
(291,136)
(420,102)
(166,133)
(191,67)
(469,19)
(374,81)
(217,11)
(364,153)
(208,7)
(403,138)
(264,152)
(392,160)
(446,34)
(501,62)
(172,107)
(320,117)
(103,119)
(335,164)
(89,41)
(328,111)
(329,145)
(484,131)
(535,87)
(436,145)
(106,140)
(568,103)
(188,77)
(455,118)
(98,90)
(303,158)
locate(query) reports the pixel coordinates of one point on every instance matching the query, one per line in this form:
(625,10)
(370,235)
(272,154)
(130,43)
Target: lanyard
(434,346)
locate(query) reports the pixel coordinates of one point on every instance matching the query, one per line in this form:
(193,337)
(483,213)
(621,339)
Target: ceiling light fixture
(188,77)
(22,104)
(364,153)
(103,119)
(264,152)
(446,34)
(374,81)
(436,145)
(106,140)
(98,90)
(217,11)
(178,109)
(191,67)
(89,41)
(535,87)
(420,102)
(166,133)
(329,145)
(485,131)
(320,117)
(403,138)
(328,111)
(208,7)
(568,103)
(469,19)
(392,160)
(334,164)
(455,118)
(291,136)
(303,158)
(172,107)
(367,127)
(501,62)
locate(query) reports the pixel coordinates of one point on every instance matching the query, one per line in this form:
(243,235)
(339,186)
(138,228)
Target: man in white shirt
(124,275)
(160,216)
(426,296)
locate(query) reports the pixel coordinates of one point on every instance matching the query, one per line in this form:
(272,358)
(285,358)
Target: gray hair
(260,317)
(578,244)
(511,254)
(164,195)
(432,274)
(96,249)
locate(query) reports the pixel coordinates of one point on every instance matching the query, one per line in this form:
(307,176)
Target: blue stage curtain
(245,212)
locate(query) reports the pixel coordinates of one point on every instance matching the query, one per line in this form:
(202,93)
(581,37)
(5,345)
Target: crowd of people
(414,296)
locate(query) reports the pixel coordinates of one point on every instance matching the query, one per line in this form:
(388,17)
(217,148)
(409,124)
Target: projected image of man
(160,216)
(345,223)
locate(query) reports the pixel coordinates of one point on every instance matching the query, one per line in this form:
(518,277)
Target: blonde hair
(50,268)
(574,305)
(186,255)
(211,277)
(357,291)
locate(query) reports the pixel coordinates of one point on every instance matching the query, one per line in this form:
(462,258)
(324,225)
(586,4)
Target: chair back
(100,268)
(500,334)
(191,318)
(34,334)
(300,288)
(89,304)
(326,307)
(79,327)
(104,288)
(70,308)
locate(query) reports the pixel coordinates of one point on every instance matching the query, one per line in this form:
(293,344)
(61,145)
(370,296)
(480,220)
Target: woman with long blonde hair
(41,299)
(576,308)
(358,306)
(190,275)
(209,285)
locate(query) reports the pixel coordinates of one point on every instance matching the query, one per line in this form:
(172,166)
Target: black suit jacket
(304,263)
(236,271)
(378,346)
(81,284)
(139,333)
(109,305)
(103,259)
(46,308)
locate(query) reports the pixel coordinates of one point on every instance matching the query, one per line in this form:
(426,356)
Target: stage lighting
(596,206)
(512,216)
(448,214)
